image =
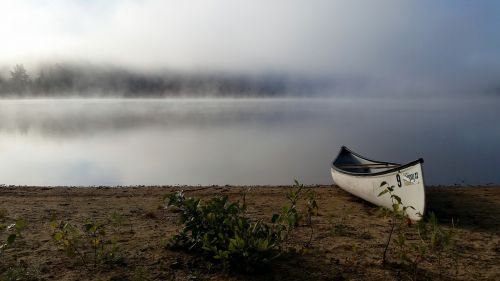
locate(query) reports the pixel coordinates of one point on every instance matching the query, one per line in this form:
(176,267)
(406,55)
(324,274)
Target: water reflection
(266,141)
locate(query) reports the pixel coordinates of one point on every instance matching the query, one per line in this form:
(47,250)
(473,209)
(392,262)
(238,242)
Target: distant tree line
(71,80)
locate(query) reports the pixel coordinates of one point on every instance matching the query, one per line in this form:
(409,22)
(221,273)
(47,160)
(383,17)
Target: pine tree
(19,80)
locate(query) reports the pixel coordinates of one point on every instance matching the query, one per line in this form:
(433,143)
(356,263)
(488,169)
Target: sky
(399,46)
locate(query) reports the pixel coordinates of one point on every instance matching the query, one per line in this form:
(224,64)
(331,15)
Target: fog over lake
(241,141)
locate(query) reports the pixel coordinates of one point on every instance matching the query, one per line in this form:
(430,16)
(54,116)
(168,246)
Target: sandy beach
(347,240)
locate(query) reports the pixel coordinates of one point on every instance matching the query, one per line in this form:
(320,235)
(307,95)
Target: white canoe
(363,177)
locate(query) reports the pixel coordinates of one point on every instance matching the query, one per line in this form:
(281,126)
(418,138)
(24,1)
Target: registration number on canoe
(407,178)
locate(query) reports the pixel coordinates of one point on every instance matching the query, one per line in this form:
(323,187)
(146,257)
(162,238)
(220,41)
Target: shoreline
(347,241)
(438,186)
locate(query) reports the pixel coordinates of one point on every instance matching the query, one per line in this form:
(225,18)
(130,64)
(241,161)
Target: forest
(61,80)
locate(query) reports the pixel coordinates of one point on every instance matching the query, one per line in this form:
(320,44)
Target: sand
(347,244)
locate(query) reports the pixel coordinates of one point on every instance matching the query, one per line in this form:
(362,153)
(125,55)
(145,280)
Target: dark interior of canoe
(354,163)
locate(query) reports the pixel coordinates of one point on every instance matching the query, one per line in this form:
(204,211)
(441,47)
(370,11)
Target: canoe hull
(408,184)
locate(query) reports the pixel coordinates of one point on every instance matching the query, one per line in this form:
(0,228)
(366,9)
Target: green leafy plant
(399,219)
(14,231)
(311,205)
(291,215)
(433,240)
(438,238)
(89,243)
(222,232)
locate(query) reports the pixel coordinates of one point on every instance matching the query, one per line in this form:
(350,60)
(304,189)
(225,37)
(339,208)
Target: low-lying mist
(69,80)
(73,80)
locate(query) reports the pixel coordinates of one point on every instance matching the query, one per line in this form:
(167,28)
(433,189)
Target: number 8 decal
(398,178)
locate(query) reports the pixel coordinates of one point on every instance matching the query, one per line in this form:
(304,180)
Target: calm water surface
(246,141)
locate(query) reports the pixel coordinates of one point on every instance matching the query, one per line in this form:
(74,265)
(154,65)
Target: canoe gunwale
(388,171)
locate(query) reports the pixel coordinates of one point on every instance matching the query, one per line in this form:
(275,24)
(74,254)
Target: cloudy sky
(448,45)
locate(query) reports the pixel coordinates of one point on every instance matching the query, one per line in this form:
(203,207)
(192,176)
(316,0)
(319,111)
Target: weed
(398,218)
(433,239)
(311,210)
(290,215)
(14,233)
(15,230)
(89,243)
(221,231)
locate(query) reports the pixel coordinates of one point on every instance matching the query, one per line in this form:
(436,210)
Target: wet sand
(348,235)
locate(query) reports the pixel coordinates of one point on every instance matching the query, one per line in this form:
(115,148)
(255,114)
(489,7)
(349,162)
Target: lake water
(241,141)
